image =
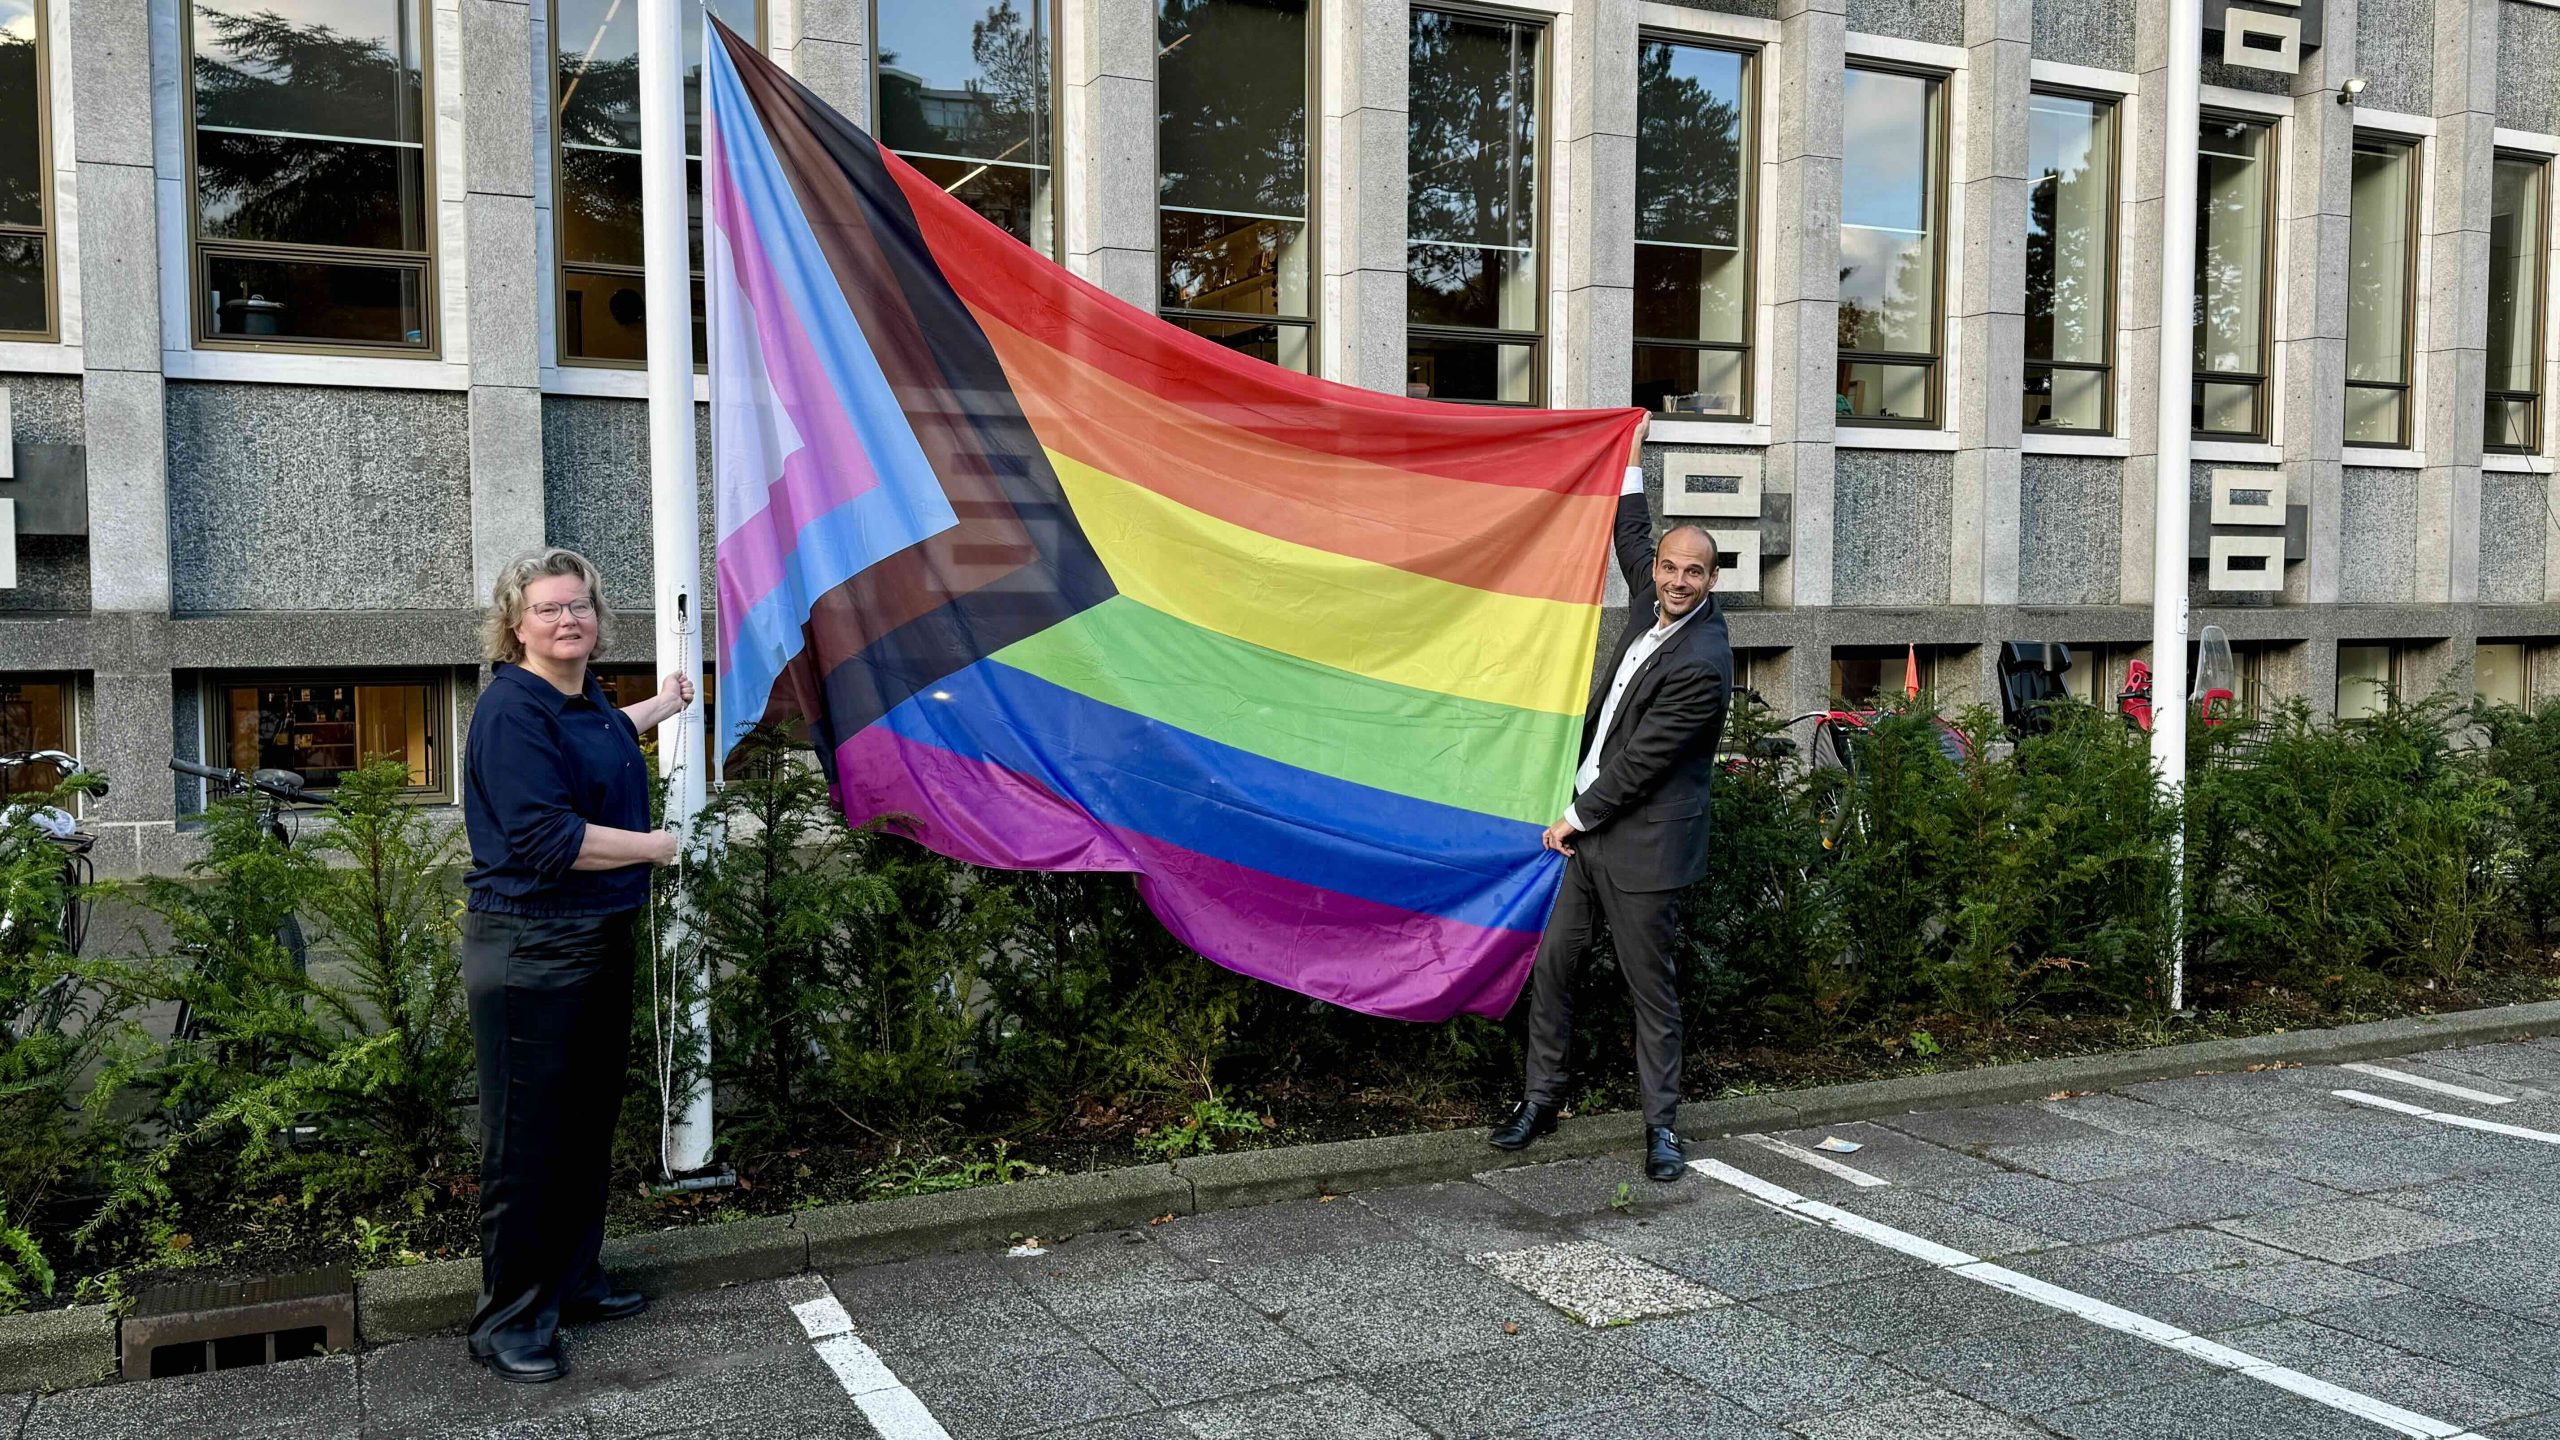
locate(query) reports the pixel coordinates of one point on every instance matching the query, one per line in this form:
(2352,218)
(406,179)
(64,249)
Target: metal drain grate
(228,1325)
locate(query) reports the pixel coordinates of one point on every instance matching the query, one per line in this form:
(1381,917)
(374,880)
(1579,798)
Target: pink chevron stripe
(832,466)
(1378,959)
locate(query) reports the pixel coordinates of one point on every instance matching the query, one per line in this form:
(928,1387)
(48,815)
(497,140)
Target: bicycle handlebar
(234,780)
(64,764)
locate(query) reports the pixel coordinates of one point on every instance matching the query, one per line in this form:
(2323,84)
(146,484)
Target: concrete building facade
(266,453)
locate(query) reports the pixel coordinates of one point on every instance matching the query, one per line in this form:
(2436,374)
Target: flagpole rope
(662,1003)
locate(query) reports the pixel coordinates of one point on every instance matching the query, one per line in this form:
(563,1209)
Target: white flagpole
(675,508)
(2170,510)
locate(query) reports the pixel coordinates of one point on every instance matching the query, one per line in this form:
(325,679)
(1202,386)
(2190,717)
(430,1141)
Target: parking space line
(884,1399)
(2403,1077)
(1817,1160)
(2441,1117)
(2086,1307)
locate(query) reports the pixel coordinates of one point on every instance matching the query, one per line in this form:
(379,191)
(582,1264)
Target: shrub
(2524,755)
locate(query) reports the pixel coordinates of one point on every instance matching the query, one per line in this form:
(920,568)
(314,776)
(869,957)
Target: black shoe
(530,1365)
(1527,1123)
(611,1305)
(1663,1157)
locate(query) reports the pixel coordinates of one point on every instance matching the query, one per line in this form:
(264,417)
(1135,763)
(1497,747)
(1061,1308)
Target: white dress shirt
(1646,646)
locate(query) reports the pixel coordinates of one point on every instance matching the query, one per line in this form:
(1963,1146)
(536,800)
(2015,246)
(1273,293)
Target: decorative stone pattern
(53,575)
(292,497)
(2396,48)
(595,466)
(2240,77)
(2070,508)
(2528,58)
(1891,517)
(2513,522)
(2079,32)
(2377,536)
(1939,22)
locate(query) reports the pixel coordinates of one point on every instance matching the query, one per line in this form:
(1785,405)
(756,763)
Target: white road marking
(1817,1160)
(2095,1311)
(2403,1077)
(884,1399)
(2441,1117)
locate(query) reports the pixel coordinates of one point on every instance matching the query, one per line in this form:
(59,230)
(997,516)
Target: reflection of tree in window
(982,135)
(1471,257)
(24,301)
(1692,271)
(1231,154)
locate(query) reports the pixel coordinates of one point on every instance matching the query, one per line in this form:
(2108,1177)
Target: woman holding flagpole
(556,802)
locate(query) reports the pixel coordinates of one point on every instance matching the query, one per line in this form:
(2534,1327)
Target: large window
(2382,270)
(2235,195)
(2516,243)
(1472,260)
(321,727)
(26,290)
(1231,157)
(2071,207)
(2369,677)
(595,45)
(962,93)
(2502,673)
(312,197)
(1892,197)
(1694,156)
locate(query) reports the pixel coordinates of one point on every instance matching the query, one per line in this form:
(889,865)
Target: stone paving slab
(1597,1285)
(1770,1365)
(1934,1412)
(2225,1407)
(303,1400)
(2346,1231)
(1324,1410)
(2431,1387)
(2044,1365)
(1430,1317)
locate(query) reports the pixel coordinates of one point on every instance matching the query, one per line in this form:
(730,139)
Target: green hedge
(874,1000)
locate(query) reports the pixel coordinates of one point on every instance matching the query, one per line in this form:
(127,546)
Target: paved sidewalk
(2230,1256)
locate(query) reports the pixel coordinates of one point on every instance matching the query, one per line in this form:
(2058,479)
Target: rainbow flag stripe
(1055,585)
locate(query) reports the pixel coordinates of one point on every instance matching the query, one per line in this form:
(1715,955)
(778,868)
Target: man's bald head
(1684,570)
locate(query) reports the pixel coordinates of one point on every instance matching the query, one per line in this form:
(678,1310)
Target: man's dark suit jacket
(1646,816)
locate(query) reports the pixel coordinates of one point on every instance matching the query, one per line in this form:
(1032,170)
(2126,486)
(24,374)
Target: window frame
(1313,324)
(1747,228)
(444,749)
(69,683)
(428,259)
(1055,10)
(44,229)
(1934,359)
(2104,368)
(561,268)
(2540,310)
(2406,387)
(1540,148)
(2394,681)
(2271,194)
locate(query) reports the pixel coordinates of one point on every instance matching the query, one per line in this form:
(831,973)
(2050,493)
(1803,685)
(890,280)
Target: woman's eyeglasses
(550,612)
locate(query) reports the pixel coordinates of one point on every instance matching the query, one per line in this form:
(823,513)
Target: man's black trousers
(1644,923)
(551,1019)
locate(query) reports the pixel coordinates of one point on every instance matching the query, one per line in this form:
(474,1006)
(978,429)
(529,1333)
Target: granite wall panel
(295,497)
(2396,51)
(595,468)
(2085,32)
(2377,536)
(1892,513)
(2070,508)
(1764,9)
(2529,67)
(53,571)
(45,409)
(1939,22)
(2513,523)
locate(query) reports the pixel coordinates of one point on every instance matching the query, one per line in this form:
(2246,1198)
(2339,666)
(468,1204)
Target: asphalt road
(2226,1257)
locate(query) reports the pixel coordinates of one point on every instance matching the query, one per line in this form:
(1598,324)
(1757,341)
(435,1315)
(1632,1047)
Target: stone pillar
(1803,197)
(826,44)
(504,346)
(1594,338)
(1361,55)
(2148,149)
(2454,356)
(2318,174)
(1107,174)
(1991,372)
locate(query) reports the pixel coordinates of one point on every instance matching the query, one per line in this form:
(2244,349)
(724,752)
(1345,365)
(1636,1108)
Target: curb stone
(53,1349)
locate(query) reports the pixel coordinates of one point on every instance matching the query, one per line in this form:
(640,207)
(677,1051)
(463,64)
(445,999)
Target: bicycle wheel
(1834,805)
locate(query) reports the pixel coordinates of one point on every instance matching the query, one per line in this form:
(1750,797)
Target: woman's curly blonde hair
(507,603)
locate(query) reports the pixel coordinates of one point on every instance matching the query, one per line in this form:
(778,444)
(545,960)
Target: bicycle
(52,1004)
(278,792)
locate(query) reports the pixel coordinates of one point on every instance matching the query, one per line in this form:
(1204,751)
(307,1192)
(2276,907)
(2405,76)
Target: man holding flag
(1636,832)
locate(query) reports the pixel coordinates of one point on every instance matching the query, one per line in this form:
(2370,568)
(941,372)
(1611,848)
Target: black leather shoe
(612,1305)
(530,1365)
(1663,1157)
(1527,1123)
